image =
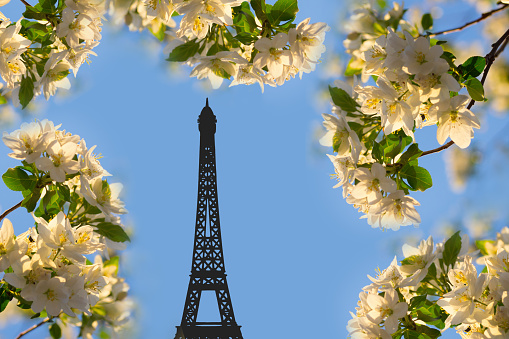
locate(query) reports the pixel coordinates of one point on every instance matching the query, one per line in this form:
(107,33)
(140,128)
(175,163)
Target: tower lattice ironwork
(208,271)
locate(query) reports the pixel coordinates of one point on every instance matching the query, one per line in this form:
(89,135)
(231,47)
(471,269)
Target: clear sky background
(296,253)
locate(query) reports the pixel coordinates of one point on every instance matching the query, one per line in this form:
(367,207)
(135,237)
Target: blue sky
(296,253)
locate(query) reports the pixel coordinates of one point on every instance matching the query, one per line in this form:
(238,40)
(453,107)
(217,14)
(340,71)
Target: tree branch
(34,327)
(10,210)
(438,149)
(483,16)
(496,49)
(25,3)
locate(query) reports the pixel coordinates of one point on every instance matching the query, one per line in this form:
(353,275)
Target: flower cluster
(402,299)
(408,82)
(36,57)
(267,49)
(220,39)
(76,213)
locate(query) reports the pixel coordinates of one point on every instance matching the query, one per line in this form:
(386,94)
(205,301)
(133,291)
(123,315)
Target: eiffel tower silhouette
(208,271)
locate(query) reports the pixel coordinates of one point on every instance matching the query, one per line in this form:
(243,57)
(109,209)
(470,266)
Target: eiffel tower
(208,271)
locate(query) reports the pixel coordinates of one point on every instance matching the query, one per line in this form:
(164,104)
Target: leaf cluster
(422,307)
(46,199)
(274,19)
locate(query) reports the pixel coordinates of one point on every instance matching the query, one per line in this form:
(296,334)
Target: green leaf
(403,186)
(432,273)
(17,180)
(243,19)
(417,177)
(104,335)
(3,100)
(452,248)
(473,67)
(411,260)
(449,57)
(61,6)
(216,48)
(5,296)
(475,89)
(283,10)
(26,91)
(93,210)
(343,99)
(55,331)
(350,70)
(427,22)
(28,167)
(434,42)
(159,33)
(221,73)
(34,13)
(413,152)
(183,52)
(394,143)
(481,245)
(31,200)
(426,332)
(379,29)
(99,310)
(336,141)
(417,302)
(377,151)
(430,313)
(25,305)
(246,38)
(33,31)
(48,6)
(409,334)
(50,204)
(260,9)
(286,27)
(64,192)
(49,198)
(112,262)
(111,231)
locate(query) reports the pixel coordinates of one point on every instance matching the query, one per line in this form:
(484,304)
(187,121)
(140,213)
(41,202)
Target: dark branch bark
(483,17)
(438,149)
(10,210)
(33,327)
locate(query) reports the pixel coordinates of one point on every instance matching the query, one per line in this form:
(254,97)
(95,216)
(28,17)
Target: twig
(438,149)
(492,55)
(497,47)
(25,3)
(483,16)
(34,327)
(502,47)
(10,210)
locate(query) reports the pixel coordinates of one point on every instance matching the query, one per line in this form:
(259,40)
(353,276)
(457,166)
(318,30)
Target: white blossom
(59,161)
(271,53)
(52,295)
(455,121)
(420,58)
(397,210)
(28,142)
(371,183)
(387,308)
(306,41)
(10,250)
